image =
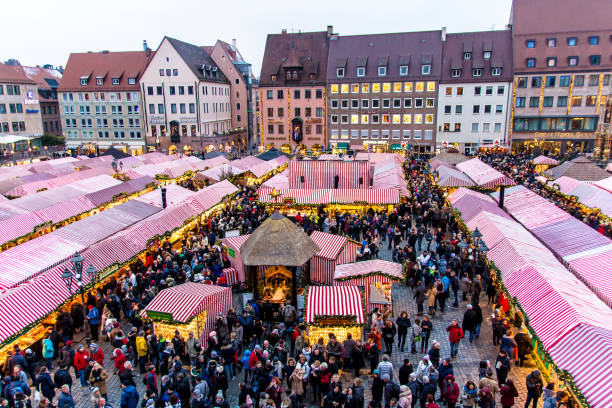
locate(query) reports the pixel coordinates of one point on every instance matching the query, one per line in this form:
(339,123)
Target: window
(561,101)
(429,102)
(457,127)
(579,80)
(344,119)
(534,102)
(425,69)
(344,103)
(486,55)
(403,70)
(520,102)
(192,108)
(334,103)
(397,119)
(418,102)
(459,90)
(397,87)
(496,71)
(386,103)
(593,80)
(131,81)
(115,81)
(281,129)
(365,119)
(606,80)
(160,108)
(374,133)
(429,118)
(522,82)
(530,62)
(298,112)
(319,112)
(296,94)
(477,72)
(447,109)
(375,103)
(83,81)
(340,72)
(386,87)
(407,119)
(279,94)
(382,71)
(365,103)
(497,127)
(536,82)
(477,90)
(181,90)
(418,119)
(591,100)
(594,59)
(397,103)
(384,134)
(431,86)
(319,94)
(175,72)
(486,127)
(365,88)
(151,109)
(407,103)
(344,88)
(385,119)
(474,127)
(354,103)
(594,40)
(417,134)
(354,119)
(487,109)
(551,61)
(354,88)
(467,56)
(334,119)
(173,108)
(530,43)
(308,112)
(572,41)
(406,134)
(449,91)
(489,90)
(455,73)
(547,102)
(564,80)
(360,71)
(446,127)
(459,109)
(375,119)
(281,112)
(407,86)
(572,61)
(550,81)
(307,93)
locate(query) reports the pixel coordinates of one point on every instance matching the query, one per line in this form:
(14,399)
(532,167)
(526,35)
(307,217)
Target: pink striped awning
(451,177)
(545,160)
(185,301)
(318,196)
(246,162)
(236,242)
(484,175)
(279,181)
(462,192)
(368,196)
(376,268)
(594,270)
(330,244)
(341,301)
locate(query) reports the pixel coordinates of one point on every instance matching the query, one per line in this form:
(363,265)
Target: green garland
(374,273)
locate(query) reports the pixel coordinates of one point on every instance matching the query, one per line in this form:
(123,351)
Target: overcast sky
(38,32)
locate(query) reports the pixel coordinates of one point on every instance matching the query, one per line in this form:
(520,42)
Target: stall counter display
(188,307)
(334,310)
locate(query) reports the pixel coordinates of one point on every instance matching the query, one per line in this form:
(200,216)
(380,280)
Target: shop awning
(330,244)
(334,301)
(342,145)
(396,146)
(364,273)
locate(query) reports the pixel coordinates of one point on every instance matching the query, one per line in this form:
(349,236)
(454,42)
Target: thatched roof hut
(580,168)
(450,157)
(278,241)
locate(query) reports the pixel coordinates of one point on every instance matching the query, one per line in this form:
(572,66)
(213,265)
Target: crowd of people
(267,352)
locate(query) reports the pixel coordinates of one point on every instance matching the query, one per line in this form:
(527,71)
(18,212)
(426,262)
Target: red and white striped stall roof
(236,242)
(188,300)
(369,196)
(462,192)
(330,244)
(484,175)
(357,270)
(341,301)
(581,353)
(545,160)
(594,270)
(175,195)
(308,174)
(246,162)
(452,177)
(278,181)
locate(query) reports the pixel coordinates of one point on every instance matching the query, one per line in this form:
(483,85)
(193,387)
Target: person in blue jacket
(129,396)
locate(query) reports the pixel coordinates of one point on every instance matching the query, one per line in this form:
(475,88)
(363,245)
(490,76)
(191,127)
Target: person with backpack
(48,351)
(391,390)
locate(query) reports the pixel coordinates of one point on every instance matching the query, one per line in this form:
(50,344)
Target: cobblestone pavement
(465,365)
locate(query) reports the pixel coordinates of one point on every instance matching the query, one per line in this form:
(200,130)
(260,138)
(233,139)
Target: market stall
(335,250)
(544,162)
(376,277)
(485,176)
(336,310)
(232,248)
(188,307)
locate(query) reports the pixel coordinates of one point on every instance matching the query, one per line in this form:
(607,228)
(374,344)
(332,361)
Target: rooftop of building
(12,74)
(198,59)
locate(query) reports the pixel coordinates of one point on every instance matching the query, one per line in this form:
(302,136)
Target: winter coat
(46,386)
(403,323)
(450,392)
(454,334)
(120,360)
(47,348)
(508,394)
(62,377)
(508,344)
(98,356)
(66,356)
(80,360)
(405,400)
(97,378)
(491,383)
(129,397)
(470,320)
(65,400)
(431,297)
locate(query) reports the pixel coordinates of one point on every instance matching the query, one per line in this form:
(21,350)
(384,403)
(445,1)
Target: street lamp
(483,248)
(463,245)
(76,275)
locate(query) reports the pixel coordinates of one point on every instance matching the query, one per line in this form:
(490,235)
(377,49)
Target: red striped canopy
(451,177)
(390,271)
(462,192)
(330,244)
(280,181)
(484,175)
(340,301)
(594,270)
(307,174)
(246,162)
(235,243)
(545,160)
(185,301)
(369,196)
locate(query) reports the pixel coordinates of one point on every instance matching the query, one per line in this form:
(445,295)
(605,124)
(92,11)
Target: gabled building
(562,64)
(47,80)
(187,100)
(382,91)
(19,105)
(100,102)
(292,91)
(475,92)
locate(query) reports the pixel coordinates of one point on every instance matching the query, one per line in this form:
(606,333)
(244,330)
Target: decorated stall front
(336,310)
(231,247)
(335,250)
(190,307)
(376,277)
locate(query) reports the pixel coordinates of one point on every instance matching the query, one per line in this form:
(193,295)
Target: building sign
(557,135)
(159,315)
(32,110)
(30,99)
(187,119)
(157,120)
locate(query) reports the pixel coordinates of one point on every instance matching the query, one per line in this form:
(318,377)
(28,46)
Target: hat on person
(426,357)
(89,307)
(377,371)
(386,377)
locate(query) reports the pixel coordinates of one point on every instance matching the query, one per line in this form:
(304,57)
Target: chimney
(284,31)
(443,34)
(502,194)
(330,30)
(233,44)
(163,193)
(144,45)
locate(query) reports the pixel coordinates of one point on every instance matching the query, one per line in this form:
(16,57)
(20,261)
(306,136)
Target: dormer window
(403,70)
(496,71)
(115,81)
(425,69)
(477,72)
(99,81)
(84,81)
(340,72)
(131,81)
(273,77)
(455,73)
(382,71)
(360,71)
(312,77)
(487,55)
(467,56)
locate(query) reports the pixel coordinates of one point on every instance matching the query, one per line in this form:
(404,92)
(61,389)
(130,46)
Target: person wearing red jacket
(450,391)
(455,334)
(81,359)
(96,354)
(120,360)
(255,356)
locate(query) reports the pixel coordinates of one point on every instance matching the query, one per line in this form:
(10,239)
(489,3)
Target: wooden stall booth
(188,307)
(336,310)
(376,277)
(335,250)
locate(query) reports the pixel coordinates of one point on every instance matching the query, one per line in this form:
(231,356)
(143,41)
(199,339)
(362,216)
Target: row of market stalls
(568,322)
(109,240)
(466,173)
(590,194)
(248,171)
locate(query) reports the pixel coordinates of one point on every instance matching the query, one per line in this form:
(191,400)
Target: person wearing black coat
(46,386)
(62,376)
(335,396)
(403,324)
(470,318)
(428,388)
(357,358)
(378,387)
(405,371)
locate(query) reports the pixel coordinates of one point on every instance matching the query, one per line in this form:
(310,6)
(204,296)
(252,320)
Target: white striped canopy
(280,181)
(545,160)
(307,174)
(185,301)
(358,270)
(330,244)
(484,175)
(246,162)
(451,177)
(340,301)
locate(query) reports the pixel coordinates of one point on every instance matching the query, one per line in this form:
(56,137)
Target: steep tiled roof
(390,50)
(555,16)
(307,50)
(12,74)
(195,57)
(498,43)
(108,65)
